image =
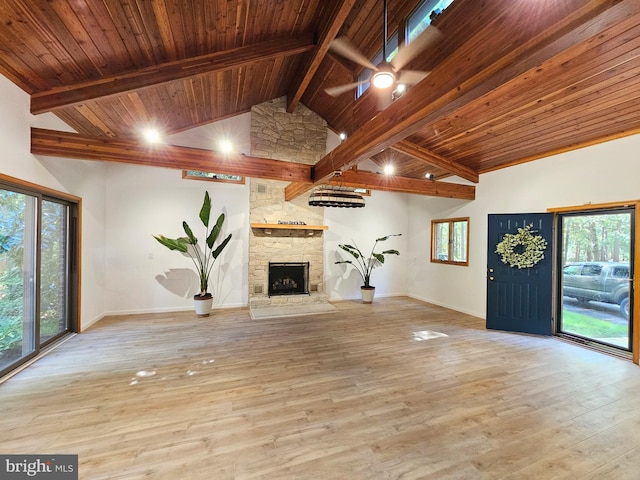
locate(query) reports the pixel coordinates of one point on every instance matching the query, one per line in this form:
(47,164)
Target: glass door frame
(72,293)
(635,307)
(70,274)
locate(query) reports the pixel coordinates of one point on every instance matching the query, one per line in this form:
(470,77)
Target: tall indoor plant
(365,265)
(203,258)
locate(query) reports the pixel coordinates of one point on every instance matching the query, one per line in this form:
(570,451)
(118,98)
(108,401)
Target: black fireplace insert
(288,278)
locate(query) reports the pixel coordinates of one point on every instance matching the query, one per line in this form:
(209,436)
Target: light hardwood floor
(349,395)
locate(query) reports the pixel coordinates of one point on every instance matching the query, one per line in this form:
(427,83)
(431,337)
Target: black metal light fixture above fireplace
(288,278)
(336,196)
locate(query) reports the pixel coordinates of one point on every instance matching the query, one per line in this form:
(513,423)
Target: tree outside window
(450,241)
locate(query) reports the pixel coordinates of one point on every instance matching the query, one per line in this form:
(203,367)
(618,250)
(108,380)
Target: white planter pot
(203,305)
(367,294)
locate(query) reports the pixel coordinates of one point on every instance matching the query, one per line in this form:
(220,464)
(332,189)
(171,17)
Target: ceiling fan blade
(340,89)
(426,39)
(343,47)
(411,77)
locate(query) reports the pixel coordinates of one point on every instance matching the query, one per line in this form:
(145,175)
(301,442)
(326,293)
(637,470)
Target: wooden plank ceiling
(511,81)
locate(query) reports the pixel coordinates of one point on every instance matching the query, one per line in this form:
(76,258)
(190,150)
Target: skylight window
(420,18)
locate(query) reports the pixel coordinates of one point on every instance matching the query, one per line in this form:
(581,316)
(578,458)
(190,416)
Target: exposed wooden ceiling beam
(432,158)
(296,189)
(74,146)
(389,183)
(327,35)
(448,87)
(346,65)
(117,84)
(392,183)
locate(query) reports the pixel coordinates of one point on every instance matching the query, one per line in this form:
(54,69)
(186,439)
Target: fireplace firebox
(288,278)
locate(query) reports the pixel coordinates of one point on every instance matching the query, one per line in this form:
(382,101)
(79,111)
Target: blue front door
(519,299)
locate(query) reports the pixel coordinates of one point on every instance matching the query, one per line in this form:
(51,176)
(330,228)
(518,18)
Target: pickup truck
(598,281)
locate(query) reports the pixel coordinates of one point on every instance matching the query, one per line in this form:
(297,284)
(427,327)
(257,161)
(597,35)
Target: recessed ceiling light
(225,146)
(428,176)
(389,169)
(343,136)
(151,135)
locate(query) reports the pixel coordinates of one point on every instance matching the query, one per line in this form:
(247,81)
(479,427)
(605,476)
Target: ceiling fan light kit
(384,77)
(387,75)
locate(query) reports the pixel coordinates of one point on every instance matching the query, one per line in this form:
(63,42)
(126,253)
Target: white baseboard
(358,297)
(450,307)
(142,311)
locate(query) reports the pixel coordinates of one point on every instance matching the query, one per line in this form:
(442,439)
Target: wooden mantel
(268,227)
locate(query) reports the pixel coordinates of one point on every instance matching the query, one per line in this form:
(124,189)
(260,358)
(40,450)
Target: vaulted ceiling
(511,81)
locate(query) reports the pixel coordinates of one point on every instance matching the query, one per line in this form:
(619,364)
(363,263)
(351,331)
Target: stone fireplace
(285,232)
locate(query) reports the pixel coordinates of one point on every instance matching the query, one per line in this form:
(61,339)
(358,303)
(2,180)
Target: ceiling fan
(386,75)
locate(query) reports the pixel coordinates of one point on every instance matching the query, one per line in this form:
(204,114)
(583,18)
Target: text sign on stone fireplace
(288,278)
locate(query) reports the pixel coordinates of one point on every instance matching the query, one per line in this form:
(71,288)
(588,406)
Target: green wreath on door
(523,249)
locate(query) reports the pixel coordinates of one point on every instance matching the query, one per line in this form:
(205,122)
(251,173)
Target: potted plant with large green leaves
(203,258)
(365,265)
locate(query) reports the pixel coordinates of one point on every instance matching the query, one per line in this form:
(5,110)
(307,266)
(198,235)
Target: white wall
(79,178)
(236,129)
(144,276)
(607,172)
(384,214)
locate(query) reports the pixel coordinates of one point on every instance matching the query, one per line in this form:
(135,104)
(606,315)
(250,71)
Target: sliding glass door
(36,297)
(17,276)
(595,277)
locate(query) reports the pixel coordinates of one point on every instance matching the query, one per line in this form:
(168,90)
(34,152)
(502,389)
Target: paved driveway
(603,311)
